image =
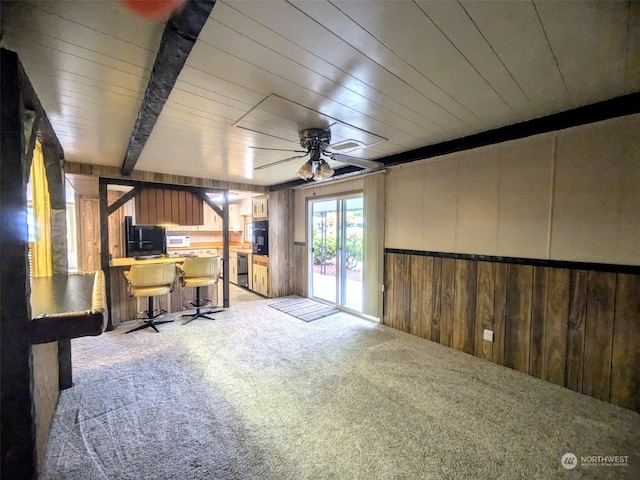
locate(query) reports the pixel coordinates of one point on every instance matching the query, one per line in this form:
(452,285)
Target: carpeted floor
(258,394)
(304,309)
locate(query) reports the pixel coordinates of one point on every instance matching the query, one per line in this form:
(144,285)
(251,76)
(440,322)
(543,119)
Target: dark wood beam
(225,250)
(615,107)
(122,200)
(597,112)
(211,203)
(16,405)
(104,246)
(41,127)
(179,36)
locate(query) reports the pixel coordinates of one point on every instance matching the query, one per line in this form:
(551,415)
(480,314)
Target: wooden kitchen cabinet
(260,207)
(261,275)
(212,222)
(233,267)
(236,224)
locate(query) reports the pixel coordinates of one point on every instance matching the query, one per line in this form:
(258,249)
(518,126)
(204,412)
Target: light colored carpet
(258,394)
(304,309)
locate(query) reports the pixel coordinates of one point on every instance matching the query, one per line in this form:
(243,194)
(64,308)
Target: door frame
(337,198)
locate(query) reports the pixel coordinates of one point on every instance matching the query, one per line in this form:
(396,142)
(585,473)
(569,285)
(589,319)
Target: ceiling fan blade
(358,162)
(279,149)
(280,161)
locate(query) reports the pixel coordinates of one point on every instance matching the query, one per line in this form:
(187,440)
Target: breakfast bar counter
(125,307)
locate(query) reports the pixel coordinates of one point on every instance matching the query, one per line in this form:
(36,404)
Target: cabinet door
(233,267)
(217,222)
(256,278)
(262,279)
(236,219)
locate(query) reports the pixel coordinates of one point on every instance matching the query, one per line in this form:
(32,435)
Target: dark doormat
(304,309)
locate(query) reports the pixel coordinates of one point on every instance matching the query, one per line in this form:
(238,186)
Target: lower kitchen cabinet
(233,267)
(261,275)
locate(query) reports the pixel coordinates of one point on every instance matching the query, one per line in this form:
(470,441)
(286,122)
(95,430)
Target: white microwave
(178,241)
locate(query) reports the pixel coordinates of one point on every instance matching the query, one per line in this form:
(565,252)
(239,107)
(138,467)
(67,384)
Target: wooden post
(225,249)
(104,244)
(18,425)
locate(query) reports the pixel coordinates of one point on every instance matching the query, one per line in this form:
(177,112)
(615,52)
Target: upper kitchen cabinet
(213,222)
(236,224)
(260,206)
(156,206)
(245,207)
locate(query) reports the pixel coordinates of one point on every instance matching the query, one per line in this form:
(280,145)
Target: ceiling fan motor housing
(315,138)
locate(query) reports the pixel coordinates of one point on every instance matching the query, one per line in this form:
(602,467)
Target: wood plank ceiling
(406,74)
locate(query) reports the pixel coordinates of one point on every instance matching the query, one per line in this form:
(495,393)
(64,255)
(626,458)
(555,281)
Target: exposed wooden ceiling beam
(179,36)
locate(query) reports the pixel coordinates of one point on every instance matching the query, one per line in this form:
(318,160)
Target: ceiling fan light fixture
(306,171)
(324,171)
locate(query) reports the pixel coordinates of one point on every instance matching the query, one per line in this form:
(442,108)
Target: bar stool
(200,272)
(151,280)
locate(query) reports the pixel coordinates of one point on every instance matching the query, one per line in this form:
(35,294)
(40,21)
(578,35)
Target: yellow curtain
(41,262)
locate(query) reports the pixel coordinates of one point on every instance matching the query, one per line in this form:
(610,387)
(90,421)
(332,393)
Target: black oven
(260,237)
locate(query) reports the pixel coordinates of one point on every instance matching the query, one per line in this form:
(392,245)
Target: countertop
(66,307)
(178,258)
(128,261)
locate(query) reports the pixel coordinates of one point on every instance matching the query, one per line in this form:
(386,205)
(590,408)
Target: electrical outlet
(488,335)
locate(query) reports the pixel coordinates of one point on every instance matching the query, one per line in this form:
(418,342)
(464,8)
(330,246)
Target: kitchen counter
(125,307)
(128,261)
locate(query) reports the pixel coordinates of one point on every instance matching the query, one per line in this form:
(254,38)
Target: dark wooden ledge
(65,307)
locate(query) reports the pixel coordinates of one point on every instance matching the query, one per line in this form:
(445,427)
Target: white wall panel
(571,195)
(595,216)
(405,201)
(440,192)
(525,198)
(478,203)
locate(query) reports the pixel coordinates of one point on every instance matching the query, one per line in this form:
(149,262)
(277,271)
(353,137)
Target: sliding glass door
(337,250)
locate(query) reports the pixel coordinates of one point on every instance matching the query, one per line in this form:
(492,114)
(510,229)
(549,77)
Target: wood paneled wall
(88,215)
(282,266)
(573,327)
(89,170)
(159,205)
(300,269)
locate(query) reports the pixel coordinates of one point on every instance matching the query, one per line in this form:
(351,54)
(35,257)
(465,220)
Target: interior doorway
(336,253)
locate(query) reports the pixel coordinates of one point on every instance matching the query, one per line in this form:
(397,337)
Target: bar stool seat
(151,280)
(200,272)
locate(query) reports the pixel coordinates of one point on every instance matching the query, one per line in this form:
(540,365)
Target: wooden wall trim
(572,327)
(535,262)
(596,112)
(113,173)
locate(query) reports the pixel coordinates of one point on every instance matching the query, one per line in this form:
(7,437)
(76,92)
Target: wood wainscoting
(575,325)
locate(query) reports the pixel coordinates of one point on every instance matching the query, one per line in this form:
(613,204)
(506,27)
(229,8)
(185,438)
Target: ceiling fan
(316,142)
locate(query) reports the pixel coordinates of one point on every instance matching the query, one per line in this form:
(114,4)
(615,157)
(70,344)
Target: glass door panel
(352,239)
(324,216)
(337,251)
